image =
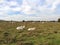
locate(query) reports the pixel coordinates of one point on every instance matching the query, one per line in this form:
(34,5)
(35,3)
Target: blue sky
(29,9)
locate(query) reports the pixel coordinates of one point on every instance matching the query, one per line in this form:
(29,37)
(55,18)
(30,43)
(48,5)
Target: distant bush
(23,21)
(59,20)
(53,21)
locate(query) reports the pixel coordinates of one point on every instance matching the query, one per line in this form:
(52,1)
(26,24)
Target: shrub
(7,38)
(59,20)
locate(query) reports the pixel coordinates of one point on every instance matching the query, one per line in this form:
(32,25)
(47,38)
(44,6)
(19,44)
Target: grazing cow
(20,27)
(42,22)
(31,28)
(33,22)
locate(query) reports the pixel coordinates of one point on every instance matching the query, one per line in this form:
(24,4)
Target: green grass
(47,33)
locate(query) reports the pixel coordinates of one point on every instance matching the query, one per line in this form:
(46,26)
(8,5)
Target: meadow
(47,33)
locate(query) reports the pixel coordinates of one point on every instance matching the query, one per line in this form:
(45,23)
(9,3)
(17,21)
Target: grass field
(47,33)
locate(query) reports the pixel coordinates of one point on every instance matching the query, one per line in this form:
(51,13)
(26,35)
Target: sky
(19,10)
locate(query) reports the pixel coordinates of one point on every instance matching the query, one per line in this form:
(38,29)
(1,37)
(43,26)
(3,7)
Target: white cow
(33,22)
(20,27)
(42,22)
(31,28)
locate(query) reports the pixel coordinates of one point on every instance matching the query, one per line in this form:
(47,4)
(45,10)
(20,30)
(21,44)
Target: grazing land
(47,33)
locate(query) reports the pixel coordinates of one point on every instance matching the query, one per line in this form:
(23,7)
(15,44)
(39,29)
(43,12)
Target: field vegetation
(47,33)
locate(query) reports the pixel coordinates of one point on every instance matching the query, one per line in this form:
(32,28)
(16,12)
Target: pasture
(47,33)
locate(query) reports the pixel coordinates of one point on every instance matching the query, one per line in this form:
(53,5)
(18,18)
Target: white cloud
(13,3)
(29,7)
(52,3)
(16,9)
(1,1)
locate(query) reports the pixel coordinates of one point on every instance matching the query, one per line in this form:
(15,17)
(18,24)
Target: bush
(59,20)
(7,37)
(23,20)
